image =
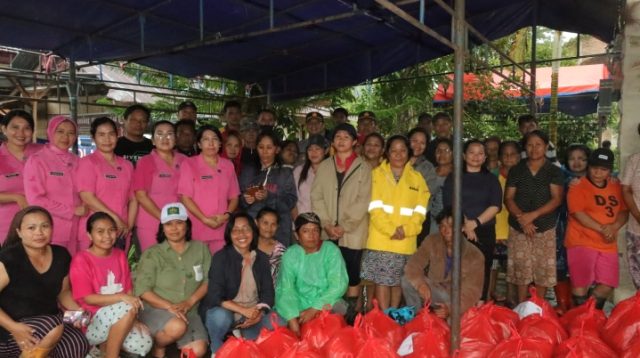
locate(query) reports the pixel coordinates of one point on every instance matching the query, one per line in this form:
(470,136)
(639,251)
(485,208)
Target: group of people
(237,228)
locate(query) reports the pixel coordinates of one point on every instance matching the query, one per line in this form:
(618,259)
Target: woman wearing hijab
(49,181)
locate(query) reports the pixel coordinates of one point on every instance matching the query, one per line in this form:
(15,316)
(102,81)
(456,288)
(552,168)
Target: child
(101,283)
(289,154)
(596,212)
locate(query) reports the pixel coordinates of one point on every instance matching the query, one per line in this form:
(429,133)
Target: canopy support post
(141,20)
(534,39)
(72,89)
(271,21)
(458,84)
(201,20)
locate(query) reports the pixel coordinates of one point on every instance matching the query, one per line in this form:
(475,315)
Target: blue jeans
(219,321)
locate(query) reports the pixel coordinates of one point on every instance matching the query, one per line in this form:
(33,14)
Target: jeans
(219,320)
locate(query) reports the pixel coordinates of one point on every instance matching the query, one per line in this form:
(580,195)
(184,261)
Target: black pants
(487,244)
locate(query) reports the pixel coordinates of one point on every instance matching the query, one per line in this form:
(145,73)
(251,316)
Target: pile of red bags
(374,335)
(486,331)
(494,331)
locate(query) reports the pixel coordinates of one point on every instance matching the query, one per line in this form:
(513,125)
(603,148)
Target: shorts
(156,319)
(352,259)
(137,341)
(382,267)
(588,266)
(532,259)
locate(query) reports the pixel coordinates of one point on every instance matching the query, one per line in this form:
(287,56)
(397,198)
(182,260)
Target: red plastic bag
(319,330)
(585,319)
(623,326)
(633,351)
(301,349)
(547,309)
(482,328)
(426,320)
(383,326)
(501,318)
(475,327)
(522,347)
(376,347)
(546,328)
(238,347)
(474,349)
(582,346)
(427,344)
(346,342)
(275,342)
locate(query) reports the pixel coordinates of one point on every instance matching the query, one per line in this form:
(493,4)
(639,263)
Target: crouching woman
(240,294)
(313,276)
(171,281)
(101,283)
(34,283)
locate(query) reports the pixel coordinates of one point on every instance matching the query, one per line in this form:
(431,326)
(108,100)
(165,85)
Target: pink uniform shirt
(90,274)
(12,181)
(211,189)
(49,181)
(109,183)
(160,181)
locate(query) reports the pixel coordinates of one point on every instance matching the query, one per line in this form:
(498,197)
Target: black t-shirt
(133,151)
(480,190)
(30,293)
(534,191)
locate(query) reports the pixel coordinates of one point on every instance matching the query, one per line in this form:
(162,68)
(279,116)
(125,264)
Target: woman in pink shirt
(104,181)
(18,127)
(209,189)
(101,284)
(155,181)
(49,181)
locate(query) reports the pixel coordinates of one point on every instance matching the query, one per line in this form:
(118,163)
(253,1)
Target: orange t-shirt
(601,204)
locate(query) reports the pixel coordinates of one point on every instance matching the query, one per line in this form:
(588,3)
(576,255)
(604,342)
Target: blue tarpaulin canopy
(306,47)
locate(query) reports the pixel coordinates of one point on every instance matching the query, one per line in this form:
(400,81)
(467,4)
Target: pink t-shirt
(11,181)
(49,181)
(211,189)
(154,176)
(90,274)
(109,183)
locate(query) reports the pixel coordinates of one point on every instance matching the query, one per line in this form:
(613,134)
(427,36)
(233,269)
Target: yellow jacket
(396,204)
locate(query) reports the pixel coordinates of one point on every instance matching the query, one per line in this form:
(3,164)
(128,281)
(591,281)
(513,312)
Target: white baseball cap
(173,211)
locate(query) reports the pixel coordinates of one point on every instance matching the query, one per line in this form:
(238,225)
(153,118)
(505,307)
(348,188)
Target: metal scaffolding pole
(459,33)
(534,39)
(72,89)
